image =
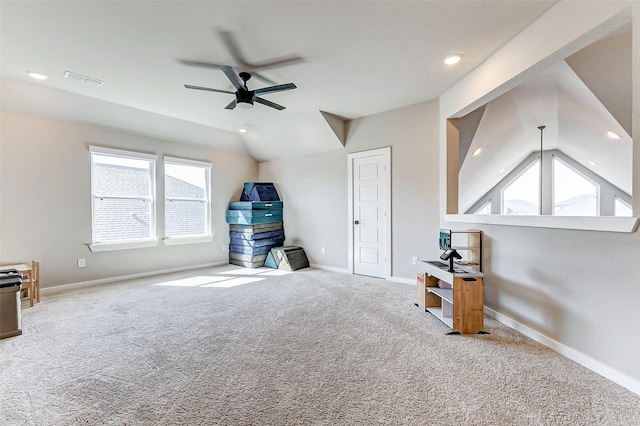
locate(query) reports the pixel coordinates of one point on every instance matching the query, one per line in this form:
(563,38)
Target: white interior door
(370,213)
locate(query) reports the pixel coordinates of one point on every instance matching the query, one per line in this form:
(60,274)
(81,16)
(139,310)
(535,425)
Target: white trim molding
(594,365)
(583,223)
(122,245)
(330,268)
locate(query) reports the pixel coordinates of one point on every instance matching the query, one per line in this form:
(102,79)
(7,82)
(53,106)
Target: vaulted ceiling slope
(578,100)
(358,58)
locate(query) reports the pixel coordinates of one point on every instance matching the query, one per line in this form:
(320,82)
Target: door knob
(357,222)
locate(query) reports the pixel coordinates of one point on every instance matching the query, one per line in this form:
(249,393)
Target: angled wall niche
(553,72)
(576,120)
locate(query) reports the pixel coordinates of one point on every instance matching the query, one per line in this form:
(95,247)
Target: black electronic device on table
(450,255)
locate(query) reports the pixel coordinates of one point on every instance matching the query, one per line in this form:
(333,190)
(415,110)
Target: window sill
(173,241)
(122,246)
(602,223)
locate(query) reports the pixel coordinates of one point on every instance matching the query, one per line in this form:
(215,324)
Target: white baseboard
(402,280)
(330,268)
(346,271)
(586,361)
(74,286)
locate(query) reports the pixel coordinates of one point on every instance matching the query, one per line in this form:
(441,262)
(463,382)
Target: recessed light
(501,171)
(613,135)
(37,75)
(593,163)
(477,152)
(242,130)
(452,59)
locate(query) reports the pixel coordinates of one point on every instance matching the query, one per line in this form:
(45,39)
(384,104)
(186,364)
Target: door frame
(386,152)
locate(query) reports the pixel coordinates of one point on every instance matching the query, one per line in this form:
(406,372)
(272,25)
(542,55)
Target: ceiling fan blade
(256,74)
(232,46)
(268,103)
(277,88)
(277,62)
(199,64)
(208,89)
(231,105)
(232,76)
(234,49)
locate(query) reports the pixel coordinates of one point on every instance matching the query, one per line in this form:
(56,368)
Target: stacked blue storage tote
(255,225)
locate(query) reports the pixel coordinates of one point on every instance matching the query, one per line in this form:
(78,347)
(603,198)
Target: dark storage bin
(10,310)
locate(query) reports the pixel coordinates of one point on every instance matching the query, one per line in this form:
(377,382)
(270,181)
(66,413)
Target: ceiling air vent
(83,78)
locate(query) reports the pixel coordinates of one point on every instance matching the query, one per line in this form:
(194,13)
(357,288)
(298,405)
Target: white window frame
(534,162)
(556,158)
(620,200)
(191,239)
(152,240)
(484,207)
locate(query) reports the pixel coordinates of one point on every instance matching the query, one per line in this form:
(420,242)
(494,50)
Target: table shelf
(461,307)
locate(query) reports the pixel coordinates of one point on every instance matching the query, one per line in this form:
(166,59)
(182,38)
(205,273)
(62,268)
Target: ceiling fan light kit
(244,105)
(245,97)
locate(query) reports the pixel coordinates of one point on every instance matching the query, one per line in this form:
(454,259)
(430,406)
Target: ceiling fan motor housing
(244,96)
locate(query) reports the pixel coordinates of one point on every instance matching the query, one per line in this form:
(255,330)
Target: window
(123,197)
(187,210)
(521,195)
(573,193)
(485,209)
(621,208)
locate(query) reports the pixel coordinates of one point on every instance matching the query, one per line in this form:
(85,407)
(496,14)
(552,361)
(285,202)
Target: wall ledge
(601,223)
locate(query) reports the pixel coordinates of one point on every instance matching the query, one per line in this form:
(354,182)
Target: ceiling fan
(230,42)
(245,97)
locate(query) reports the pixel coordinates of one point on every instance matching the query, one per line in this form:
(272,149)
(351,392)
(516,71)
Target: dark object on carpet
(289,258)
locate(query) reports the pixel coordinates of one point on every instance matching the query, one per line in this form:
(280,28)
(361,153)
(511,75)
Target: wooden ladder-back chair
(35,279)
(31,283)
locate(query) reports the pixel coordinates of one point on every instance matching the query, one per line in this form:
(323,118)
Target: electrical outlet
(81,263)
(324,251)
(224,247)
(414,260)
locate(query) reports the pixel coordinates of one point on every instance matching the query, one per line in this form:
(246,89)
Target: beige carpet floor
(232,346)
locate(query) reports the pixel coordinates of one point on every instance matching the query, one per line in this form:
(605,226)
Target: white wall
(314,193)
(314,189)
(578,288)
(46,194)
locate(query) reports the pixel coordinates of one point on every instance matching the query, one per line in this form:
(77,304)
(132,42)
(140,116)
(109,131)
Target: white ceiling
(359,58)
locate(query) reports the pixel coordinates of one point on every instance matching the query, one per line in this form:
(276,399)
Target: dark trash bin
(10,310)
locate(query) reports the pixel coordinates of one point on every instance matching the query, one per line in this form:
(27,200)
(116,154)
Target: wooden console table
(460,307)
